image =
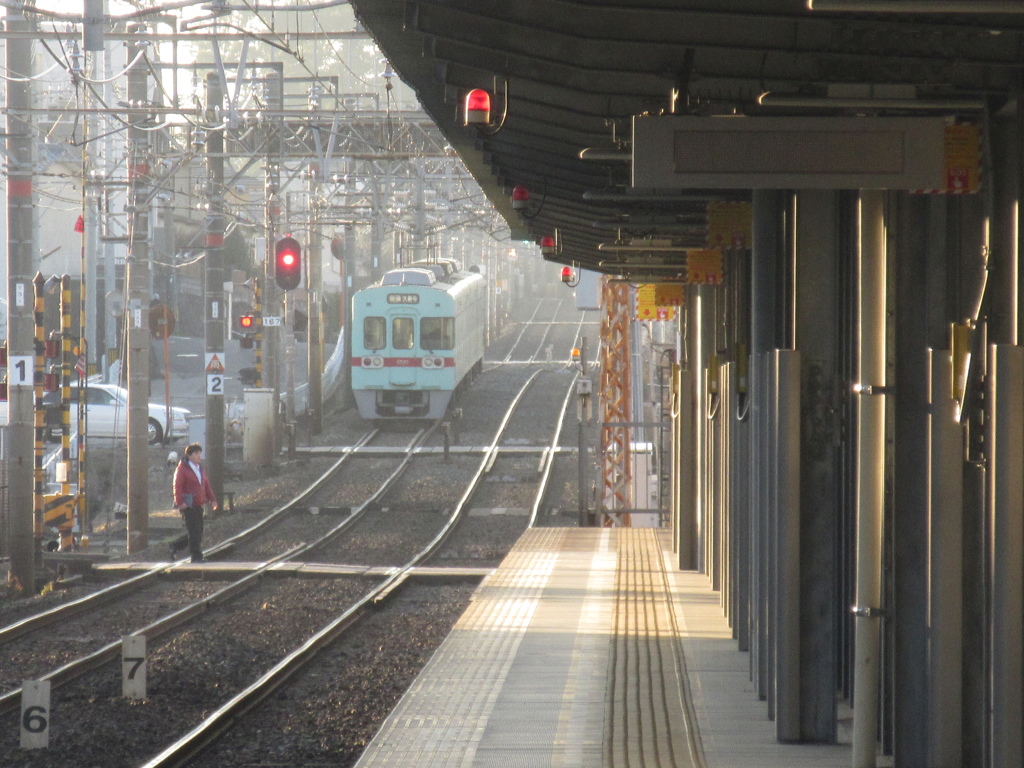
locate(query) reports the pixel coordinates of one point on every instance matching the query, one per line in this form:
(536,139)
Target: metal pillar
(771,531)
(786,367)
(137,317)
(871,476)
(945,571)
(271,336)
(216,308)
(816,333)
(1006,509)
(766,258)
(908,701)
(314,280)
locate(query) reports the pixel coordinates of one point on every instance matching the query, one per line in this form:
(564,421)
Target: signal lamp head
(520,197)
(288,263)
(548,245)
(566,274)
(246,321)
(477,109)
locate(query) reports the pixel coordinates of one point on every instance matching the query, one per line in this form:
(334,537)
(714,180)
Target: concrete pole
(314,285)
(21,250)
(871,477)
(1006,508)
(213,450)
(137,317)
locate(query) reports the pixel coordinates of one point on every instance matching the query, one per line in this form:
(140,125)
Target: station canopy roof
(566,79)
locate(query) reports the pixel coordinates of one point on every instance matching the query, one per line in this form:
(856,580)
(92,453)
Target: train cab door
(403,341)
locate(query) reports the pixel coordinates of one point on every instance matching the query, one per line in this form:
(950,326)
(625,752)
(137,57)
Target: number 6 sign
(35,714)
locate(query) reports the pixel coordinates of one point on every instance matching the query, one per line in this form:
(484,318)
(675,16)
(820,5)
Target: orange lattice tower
(615,396)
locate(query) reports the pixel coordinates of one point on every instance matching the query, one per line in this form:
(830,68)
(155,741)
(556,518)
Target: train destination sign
(403,298)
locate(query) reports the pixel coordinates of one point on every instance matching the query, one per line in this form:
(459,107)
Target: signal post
(288,275)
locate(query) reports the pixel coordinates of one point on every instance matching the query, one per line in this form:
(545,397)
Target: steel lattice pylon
(615,396)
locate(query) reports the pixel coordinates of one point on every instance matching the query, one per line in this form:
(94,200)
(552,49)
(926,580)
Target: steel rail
(221,720)
(508,357)
(104,596)
(276,515)
(548,458)
(80,666)
(73,669)
(486,462)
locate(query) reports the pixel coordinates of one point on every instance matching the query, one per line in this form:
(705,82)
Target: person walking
(192,490)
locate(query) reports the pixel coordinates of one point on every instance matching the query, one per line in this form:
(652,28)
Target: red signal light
(288,263)
(477,107)
(547,245)
(566,274)
(246,321)
(520,197)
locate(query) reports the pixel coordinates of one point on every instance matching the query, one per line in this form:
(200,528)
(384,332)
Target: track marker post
(133,667)
(35,714)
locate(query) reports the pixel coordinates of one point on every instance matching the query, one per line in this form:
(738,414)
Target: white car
(107,415)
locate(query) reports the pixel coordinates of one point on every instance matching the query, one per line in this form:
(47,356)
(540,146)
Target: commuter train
(417,339)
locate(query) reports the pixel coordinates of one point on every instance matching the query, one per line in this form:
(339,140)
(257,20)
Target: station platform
(586,648)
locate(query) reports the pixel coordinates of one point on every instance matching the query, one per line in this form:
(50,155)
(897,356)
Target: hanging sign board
(672,152)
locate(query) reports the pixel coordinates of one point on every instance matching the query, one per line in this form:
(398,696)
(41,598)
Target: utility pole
(21,248)
(137,317)
(314,279)
(214,272)
(583,393)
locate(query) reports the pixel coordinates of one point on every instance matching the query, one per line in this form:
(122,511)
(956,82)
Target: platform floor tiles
(586,649)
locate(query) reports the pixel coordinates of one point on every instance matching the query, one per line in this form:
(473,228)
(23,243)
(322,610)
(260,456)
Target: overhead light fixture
(769,99)
(916,6)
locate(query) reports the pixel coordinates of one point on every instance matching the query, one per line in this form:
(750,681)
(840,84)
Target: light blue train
(417,339)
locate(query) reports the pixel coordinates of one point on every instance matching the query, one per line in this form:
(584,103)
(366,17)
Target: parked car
(107,415)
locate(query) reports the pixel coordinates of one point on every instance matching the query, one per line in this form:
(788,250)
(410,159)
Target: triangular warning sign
(213,363)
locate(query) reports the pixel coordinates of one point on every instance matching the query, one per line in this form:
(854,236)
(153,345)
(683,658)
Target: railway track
(257,594)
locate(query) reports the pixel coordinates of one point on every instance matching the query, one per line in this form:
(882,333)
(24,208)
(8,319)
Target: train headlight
(433,362)
(372,361)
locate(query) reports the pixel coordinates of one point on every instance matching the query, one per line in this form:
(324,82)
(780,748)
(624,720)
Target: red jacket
(186,482)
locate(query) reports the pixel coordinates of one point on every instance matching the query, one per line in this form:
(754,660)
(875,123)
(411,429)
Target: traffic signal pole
(216,309)
(21,248)
(137,316)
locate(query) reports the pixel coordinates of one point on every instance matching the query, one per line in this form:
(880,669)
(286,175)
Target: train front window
(374,333)
(437,333)
(402,329)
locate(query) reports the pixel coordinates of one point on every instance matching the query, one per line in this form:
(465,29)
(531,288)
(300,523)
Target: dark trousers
(193,536)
